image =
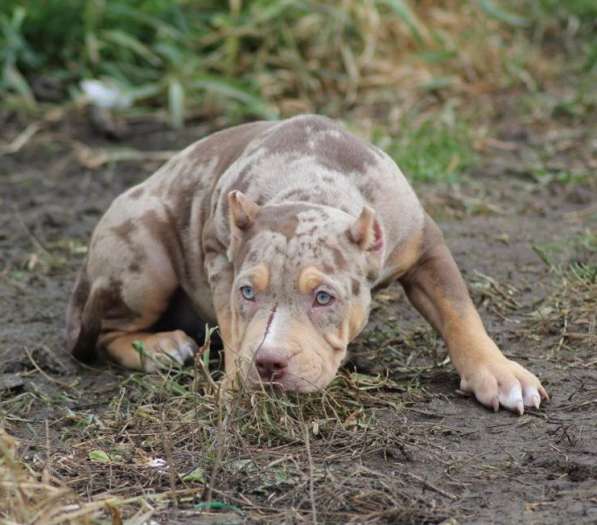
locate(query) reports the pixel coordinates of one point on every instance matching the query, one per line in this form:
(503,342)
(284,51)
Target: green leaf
(405,13)
(176,103)
(216,505)
(99,456)
(196,474)
(139,347)
(235,91)
(126,41)
(14,79)
(493,11)
(437,83)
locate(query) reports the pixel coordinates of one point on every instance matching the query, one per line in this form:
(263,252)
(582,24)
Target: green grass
(433,151)
(159,53)
(262,58)
(582,9)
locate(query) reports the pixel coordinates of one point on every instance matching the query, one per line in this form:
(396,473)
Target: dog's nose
(271,367)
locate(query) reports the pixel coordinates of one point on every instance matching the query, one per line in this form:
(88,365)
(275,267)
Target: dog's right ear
(242,210)
(241,213)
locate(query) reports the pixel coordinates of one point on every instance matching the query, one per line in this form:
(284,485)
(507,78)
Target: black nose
(271,367)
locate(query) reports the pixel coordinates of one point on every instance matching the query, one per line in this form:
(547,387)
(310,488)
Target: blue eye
(323,298)
(248,293)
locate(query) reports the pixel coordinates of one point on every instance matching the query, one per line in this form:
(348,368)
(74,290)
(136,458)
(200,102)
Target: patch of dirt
(413,451)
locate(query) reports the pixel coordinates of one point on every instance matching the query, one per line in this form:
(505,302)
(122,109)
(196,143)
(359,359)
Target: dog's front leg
(436,288)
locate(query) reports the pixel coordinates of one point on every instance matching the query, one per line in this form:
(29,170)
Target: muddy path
(526,245)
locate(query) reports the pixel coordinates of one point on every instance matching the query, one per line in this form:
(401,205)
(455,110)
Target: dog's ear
(242,210)
(366,231)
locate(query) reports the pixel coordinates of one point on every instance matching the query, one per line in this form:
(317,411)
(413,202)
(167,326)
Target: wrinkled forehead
(290,238)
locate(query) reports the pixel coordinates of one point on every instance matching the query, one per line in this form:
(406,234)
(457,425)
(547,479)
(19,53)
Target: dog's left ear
(366,231)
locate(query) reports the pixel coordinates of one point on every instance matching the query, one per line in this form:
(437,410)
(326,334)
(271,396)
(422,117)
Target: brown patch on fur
(295,194)
(334,147)
(74,316)
(184,207)
(114,306)
(164,230)
(293,134)
(344,153)
(124,230)
(281,219)
(356,287)
(228,146)
(328,268)
(368,190)
(339,259)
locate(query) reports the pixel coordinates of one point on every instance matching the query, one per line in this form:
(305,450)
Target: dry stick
(46,469)
(48,377)
(311,489)
(222,427)
(32,237)
(170,459)
(21,139)
(431,487)
(199,356)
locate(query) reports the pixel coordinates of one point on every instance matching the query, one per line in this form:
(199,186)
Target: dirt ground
(400,447)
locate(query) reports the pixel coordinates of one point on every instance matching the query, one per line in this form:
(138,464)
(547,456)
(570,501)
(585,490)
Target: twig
(311,488)
(170,459)
(34,240)
(95,158)
(431,486)
(222,427)
(46,375)
(21,139)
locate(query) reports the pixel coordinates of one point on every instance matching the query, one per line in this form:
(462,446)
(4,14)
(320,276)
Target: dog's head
(301,289)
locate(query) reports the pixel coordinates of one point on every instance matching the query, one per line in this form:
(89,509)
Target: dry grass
(167,440)
(377,58)
(569,314)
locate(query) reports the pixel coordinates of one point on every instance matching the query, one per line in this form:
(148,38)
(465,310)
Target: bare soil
(410,449)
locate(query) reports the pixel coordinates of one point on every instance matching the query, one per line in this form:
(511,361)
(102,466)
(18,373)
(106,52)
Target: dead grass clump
(26,496)
(570,311)
(172,442)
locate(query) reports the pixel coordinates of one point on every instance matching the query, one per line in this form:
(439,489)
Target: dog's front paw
(499,381)
(167,349)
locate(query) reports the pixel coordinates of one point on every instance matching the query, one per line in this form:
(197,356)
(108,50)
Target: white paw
(183,353)
(501,382)
(169,349)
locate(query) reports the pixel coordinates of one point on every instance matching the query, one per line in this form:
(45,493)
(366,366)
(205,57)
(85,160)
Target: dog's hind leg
(122,291)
